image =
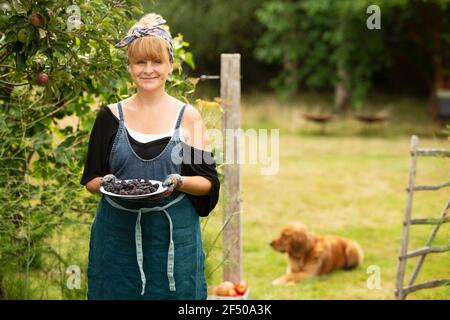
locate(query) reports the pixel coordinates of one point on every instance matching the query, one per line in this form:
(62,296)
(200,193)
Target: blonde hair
(149,47)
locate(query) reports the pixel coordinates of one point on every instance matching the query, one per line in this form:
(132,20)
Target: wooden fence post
(230,93)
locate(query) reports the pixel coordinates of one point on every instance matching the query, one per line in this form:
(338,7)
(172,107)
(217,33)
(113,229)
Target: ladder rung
(430,187)
(425,250)
(426,285)
(430,220)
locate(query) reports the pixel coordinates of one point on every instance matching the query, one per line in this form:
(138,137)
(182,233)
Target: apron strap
(138,239)
(139,251)
(170,256)
(119,109)
(180,116)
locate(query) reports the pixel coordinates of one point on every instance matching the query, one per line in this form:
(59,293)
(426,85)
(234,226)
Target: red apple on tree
(37,20)
(42,78)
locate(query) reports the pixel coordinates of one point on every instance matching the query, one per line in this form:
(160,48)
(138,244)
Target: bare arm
(196,185)
(93,186)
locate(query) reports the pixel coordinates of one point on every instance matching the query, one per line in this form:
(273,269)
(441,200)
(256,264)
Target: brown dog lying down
(310,254)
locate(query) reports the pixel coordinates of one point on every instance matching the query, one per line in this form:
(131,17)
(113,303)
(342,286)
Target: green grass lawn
(347,181)
(353,187)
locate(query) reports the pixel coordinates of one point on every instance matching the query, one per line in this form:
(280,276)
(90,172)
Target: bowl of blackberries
(131,188)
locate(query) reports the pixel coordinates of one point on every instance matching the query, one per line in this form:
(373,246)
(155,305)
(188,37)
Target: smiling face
(149,63)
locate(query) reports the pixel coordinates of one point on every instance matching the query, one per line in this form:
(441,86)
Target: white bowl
(161,189)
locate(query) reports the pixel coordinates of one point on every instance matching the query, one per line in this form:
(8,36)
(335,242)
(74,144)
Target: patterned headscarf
(150,25)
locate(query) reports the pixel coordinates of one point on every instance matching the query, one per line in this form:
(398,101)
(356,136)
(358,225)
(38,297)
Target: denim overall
(146,249)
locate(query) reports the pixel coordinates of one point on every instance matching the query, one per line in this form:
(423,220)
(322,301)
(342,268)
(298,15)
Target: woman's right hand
(107,179)
(94,185)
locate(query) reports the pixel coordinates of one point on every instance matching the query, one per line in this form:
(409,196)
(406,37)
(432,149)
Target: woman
(150,249)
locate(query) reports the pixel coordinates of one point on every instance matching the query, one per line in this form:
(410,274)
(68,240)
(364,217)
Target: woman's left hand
(172,181)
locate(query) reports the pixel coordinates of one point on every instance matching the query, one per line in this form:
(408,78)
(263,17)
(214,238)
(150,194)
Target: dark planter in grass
(443,104)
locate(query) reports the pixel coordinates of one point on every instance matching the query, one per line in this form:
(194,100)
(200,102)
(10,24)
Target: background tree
(214,27)
(319,38)
(321,43)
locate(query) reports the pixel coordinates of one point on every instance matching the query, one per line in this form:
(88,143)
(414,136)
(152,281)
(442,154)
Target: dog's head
(295,239)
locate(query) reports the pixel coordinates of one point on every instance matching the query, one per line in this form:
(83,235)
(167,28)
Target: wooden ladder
(402,291)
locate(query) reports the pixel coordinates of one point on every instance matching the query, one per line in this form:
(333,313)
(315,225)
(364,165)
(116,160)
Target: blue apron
(146,249)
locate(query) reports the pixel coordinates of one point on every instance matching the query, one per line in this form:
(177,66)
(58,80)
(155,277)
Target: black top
(100,144)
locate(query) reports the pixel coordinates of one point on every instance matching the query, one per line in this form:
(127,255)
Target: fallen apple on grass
(241,287)
(224,288)
(229,289)
(232,293)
